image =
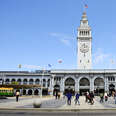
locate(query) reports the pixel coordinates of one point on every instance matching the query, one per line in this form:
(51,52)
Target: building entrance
(69,86)
(84,85)
(98,86)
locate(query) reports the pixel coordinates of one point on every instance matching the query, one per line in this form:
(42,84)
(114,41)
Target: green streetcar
(6,91)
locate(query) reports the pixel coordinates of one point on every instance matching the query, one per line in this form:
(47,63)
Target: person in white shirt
(17,96)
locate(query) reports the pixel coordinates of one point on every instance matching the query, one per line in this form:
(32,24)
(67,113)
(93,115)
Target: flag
(59,61)
(86,6)
(19,66)
(49,65)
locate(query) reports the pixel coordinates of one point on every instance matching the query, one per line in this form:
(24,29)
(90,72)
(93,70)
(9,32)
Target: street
(38,113)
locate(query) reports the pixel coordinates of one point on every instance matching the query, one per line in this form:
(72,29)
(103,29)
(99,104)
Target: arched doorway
(69,86)
(111,88)
(36,92)
(84,85)
(24,91)
(98,86)
(56,89)
(29,92)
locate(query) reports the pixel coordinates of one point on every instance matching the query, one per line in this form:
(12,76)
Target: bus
(6,91)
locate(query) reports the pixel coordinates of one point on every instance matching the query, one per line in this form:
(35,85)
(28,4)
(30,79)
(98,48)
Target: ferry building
(80,80)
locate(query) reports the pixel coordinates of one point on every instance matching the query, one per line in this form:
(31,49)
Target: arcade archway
(84,85)
(30,92)
(36,92)
(98,86)
(69,86)
(56,89)
(24,91)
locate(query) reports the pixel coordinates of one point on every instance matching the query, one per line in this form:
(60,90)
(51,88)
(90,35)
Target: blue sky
(36,33)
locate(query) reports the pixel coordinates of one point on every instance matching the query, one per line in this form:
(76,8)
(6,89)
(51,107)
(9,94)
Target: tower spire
(84,43)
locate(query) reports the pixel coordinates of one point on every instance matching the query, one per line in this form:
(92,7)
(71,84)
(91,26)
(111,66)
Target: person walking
(59,95)
(86,96)
(101,97)
(69,96)
(77,98)
(115,97)
(91,98)
(106,96)
(17,96)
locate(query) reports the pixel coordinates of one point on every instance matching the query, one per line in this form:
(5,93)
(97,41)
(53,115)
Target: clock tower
(84,44)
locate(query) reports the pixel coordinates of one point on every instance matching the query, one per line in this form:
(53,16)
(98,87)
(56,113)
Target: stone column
(27,81)
(62,85)
(52,84)
(76,85)
(106,84)
(91,83)
(78,89)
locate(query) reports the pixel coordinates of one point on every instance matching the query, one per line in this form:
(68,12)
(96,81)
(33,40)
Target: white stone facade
(77,80)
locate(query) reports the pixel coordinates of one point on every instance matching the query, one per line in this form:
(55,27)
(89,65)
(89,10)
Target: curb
(57,110)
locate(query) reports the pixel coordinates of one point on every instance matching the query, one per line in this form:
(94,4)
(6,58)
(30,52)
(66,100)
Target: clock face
(84,48)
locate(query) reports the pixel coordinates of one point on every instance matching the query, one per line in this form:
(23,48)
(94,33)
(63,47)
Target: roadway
(38,113)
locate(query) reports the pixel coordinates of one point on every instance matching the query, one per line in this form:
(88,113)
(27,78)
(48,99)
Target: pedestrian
(77,98)
(91,98)
(56,94)
(69,97)
(115,97)
(86,96)
(106,96)
(59,95)
(17,96)
(101,97)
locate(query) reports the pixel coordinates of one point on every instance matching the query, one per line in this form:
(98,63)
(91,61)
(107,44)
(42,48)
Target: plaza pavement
(26,102)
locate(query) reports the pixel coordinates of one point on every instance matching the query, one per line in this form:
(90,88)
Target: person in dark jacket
(91,98)
(69,96)
(77,98)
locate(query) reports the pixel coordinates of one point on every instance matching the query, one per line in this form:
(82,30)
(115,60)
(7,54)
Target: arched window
(25,81)
(37,81)
(69,82)
(44,82)
(31,81)
(99,82)
(19,81)
(84,82)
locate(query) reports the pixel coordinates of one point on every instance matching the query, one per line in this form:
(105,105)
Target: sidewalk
(23,101)
(26,102)
(83,105)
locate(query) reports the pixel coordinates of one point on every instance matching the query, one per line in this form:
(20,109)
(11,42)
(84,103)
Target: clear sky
(40,32)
